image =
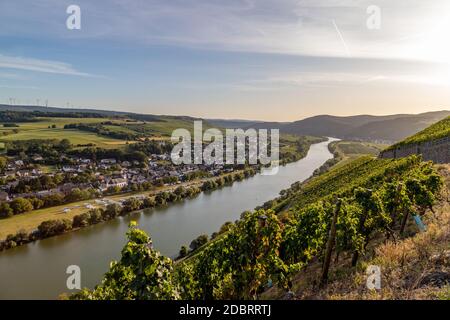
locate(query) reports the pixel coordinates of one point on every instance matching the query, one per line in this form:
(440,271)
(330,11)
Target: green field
(41,130)
(351,148)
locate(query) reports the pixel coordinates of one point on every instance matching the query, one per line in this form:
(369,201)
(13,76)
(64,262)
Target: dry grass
(404,266)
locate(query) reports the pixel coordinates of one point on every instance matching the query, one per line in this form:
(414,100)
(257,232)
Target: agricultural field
(41,130)
(53,128)
(352,148)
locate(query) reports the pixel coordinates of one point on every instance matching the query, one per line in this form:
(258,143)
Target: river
(38,270)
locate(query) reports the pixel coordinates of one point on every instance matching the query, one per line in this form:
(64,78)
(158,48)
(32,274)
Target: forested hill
(27,113)
(389,129)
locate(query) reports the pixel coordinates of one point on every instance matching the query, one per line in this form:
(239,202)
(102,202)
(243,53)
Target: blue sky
(274,60)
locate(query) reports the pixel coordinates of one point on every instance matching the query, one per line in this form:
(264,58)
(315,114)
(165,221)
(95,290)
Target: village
(28,180)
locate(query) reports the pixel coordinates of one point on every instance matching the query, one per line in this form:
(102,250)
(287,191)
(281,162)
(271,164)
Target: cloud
(299,27)
(19,87)
(433,75)
(37,65)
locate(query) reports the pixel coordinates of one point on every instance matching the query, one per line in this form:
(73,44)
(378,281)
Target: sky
(275,60)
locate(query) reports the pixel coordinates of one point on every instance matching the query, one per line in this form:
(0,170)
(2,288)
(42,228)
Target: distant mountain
(233,124)
(106,113)
(6,107)
(389,128)
(398,128)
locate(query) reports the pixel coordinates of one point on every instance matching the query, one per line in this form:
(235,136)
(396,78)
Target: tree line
(55,227)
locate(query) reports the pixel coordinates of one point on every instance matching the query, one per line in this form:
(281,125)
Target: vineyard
(340,211)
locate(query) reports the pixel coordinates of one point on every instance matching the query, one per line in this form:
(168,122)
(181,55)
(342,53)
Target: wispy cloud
(19,87)
(301,27)
(37,65)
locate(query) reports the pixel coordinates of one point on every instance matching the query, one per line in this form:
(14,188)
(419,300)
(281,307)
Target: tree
(149,202)
(141,274)
(54,227)
(53,199)
(76,195)
(95,216)
(5,210)
(81,220)
(132,204)
(113,210)
(21,205)
(37,203)
(198,242)
(64,145)
(183,251)
(3,163)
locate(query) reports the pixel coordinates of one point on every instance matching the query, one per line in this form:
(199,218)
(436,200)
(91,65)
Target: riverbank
(31,220)
(97,211)
(38,270)
(292,149)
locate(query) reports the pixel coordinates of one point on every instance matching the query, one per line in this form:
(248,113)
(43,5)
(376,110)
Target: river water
(38,270)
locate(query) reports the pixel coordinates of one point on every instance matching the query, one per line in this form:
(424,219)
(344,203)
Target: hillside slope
(390,128)
(416,266)
(433,143)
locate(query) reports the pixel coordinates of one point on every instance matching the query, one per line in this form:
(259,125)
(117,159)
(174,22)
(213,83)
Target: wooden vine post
(330,244)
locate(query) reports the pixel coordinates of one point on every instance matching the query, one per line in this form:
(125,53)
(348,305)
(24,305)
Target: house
(37,158)
(23,173)
(67,188)
(126,164)
(19,163)
(119,182)
(108,161)
(45,193)
(36,172)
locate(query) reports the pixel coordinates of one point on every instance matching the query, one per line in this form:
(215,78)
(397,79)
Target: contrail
(342,38)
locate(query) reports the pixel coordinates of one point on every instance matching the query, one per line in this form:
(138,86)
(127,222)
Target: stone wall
(437,151)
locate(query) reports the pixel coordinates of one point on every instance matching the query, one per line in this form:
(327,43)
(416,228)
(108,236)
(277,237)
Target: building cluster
(109,173)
